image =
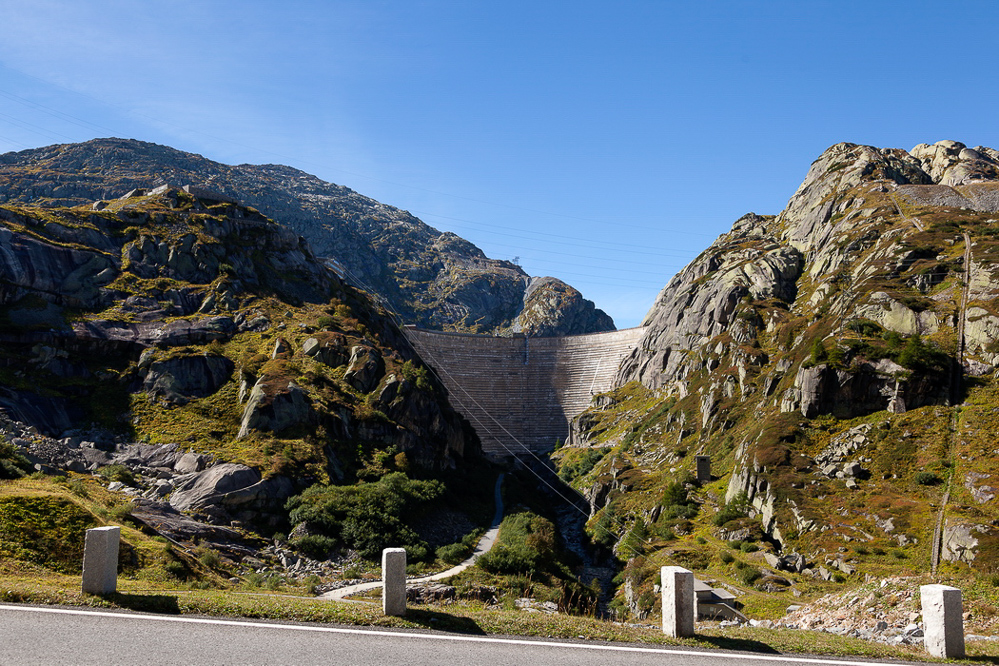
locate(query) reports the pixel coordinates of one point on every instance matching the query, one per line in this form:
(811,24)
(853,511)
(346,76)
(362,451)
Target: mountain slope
(837,363)
(436,280)
(173,319)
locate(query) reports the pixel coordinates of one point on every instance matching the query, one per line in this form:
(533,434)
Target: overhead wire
(525,448)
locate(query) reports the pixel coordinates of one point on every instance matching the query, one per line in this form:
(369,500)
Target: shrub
(326,323)
(749,575)
(580,464)
(733,510)
(12,464)
(819,353)
(316,546)
(865,327)
(916,355)
(526,545)
(677,503)
(208,557)
(749,547)
(120,512)
(927,479)
(117,473)
(77,487)
(458,552)
(726,557)
(367,517)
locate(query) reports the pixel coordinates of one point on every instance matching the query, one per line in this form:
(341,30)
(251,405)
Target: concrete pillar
(703,469)
(943,621)
(100,560)
(394,581)
(679,603)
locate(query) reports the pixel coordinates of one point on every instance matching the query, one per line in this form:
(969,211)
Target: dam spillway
(519,393)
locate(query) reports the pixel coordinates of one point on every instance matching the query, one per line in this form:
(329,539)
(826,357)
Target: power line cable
(526,449)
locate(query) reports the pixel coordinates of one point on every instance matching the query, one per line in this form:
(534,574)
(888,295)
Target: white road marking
(467,639)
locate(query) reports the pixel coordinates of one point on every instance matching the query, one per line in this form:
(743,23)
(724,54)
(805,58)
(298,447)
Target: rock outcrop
(821,357)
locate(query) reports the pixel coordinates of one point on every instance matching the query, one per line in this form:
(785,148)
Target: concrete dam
(520,393)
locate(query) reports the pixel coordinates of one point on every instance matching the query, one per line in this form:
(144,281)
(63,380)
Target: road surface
(485,543)
(61,635)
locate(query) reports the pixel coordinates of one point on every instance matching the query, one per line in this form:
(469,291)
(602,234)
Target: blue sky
(604,143)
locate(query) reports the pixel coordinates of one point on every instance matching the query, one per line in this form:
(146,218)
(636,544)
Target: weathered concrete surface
(520,392)
(100,560)
(394,578)
(679,603)
(943,621)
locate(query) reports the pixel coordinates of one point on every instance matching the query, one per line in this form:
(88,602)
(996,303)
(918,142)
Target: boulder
(190,462)
(959,543)
(275,410)
(204,489)
(365,369)
(329,350)
(183,378)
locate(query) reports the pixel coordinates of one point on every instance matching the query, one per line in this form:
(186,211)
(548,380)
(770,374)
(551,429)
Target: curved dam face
(520,393)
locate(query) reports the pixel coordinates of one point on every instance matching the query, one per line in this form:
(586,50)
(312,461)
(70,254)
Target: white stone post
(943,621)
(394,581)
(100,560)
(679,603)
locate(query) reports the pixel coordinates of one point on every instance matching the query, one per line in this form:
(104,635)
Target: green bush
(526,545)
(12,464)
(367,517)
(677,503)
(749,575)
(748,547)
(865,327)
(458,552)
(117,473)
(316,546)
(579,464)
(726,557)
(737,508)
(927,479)
(208,557)
(916,355)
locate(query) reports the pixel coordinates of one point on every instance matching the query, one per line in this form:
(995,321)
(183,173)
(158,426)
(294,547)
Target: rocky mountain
(433,279)
(170,333)
(837,362)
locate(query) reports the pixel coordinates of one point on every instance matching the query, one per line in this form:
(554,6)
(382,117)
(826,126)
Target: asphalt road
(58,635)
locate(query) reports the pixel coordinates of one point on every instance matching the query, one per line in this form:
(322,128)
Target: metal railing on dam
(520,392)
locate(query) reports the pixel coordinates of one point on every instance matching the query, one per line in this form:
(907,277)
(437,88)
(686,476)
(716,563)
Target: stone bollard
(679,603)
(943,621)
(394,581)
(703,469)
(100,560)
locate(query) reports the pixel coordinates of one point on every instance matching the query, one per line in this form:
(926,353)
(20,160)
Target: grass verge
(463,618)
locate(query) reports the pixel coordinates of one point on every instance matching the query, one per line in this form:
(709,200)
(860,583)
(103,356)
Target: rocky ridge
(837,363)
(433,279)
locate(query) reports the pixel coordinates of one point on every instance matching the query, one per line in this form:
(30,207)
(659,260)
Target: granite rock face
(833,358)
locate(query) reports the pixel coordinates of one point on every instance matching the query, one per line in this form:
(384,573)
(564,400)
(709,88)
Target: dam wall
(519,393)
